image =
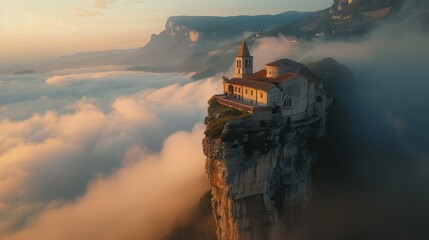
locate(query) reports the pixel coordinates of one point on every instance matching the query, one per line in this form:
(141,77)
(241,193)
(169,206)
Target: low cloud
(271,49)
(59,79)
(20,100)
(139,201)
(102,164)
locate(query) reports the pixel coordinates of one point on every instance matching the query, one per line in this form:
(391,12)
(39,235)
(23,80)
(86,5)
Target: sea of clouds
(99,155)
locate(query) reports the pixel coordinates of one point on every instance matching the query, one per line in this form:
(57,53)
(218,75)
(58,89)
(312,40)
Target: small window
(239,71)
(236,89)
(251,92)
(239,90)
(262,95)
(270,73)
(288,102)
(238,63)
(246,91)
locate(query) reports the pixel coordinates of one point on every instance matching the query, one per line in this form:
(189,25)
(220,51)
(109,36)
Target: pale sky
(32,29)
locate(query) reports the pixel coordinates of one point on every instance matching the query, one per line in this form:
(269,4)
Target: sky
(33,29)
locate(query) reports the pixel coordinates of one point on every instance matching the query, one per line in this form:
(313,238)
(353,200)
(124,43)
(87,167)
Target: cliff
(206,45)
(355,18)
(203,44)
(260,173)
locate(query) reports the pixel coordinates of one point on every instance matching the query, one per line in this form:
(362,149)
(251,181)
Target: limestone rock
(262,194)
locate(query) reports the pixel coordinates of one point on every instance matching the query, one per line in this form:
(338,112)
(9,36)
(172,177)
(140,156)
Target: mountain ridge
(206,45)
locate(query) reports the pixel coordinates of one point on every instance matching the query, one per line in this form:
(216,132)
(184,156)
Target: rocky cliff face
(260,176)
(355,18)
(193,29)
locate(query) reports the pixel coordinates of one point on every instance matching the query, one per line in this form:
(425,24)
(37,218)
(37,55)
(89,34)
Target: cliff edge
(259,169)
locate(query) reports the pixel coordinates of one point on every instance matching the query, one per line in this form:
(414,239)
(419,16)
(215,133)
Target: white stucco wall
(297,88)
(274,97)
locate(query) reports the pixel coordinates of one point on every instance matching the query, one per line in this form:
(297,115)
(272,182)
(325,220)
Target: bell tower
(243,62)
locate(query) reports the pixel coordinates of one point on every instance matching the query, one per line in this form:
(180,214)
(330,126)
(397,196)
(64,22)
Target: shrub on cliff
(219,115)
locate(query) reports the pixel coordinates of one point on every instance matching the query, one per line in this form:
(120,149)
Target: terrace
(230,101)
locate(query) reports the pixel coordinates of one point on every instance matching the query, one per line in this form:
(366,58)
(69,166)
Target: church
(284,86)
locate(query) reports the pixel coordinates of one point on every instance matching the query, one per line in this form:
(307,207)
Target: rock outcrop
(259,171)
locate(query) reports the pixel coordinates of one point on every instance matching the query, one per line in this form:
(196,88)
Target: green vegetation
(219,115)
(251,137)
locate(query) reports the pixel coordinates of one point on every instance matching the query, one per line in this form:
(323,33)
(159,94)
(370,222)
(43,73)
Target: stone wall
(261,194)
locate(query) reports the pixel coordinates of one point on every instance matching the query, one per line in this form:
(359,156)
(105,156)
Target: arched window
(319,99)
(230,90)
(238,63)
(288,102)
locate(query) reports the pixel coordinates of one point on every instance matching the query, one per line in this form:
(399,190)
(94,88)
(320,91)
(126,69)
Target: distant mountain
(207,45)
(351,18)
(183,41)
(188,40)
(209,29)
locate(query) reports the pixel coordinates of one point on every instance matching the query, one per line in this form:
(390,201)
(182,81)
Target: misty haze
(237,120)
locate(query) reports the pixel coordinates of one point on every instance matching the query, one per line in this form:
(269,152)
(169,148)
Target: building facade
(286,86)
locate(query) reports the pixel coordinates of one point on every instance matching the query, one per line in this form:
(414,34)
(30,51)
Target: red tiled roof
(261,85)
(305,73)
(259,80)
(262,76)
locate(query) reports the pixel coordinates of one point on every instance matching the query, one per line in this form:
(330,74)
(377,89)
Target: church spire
(244,50)
(244,62)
